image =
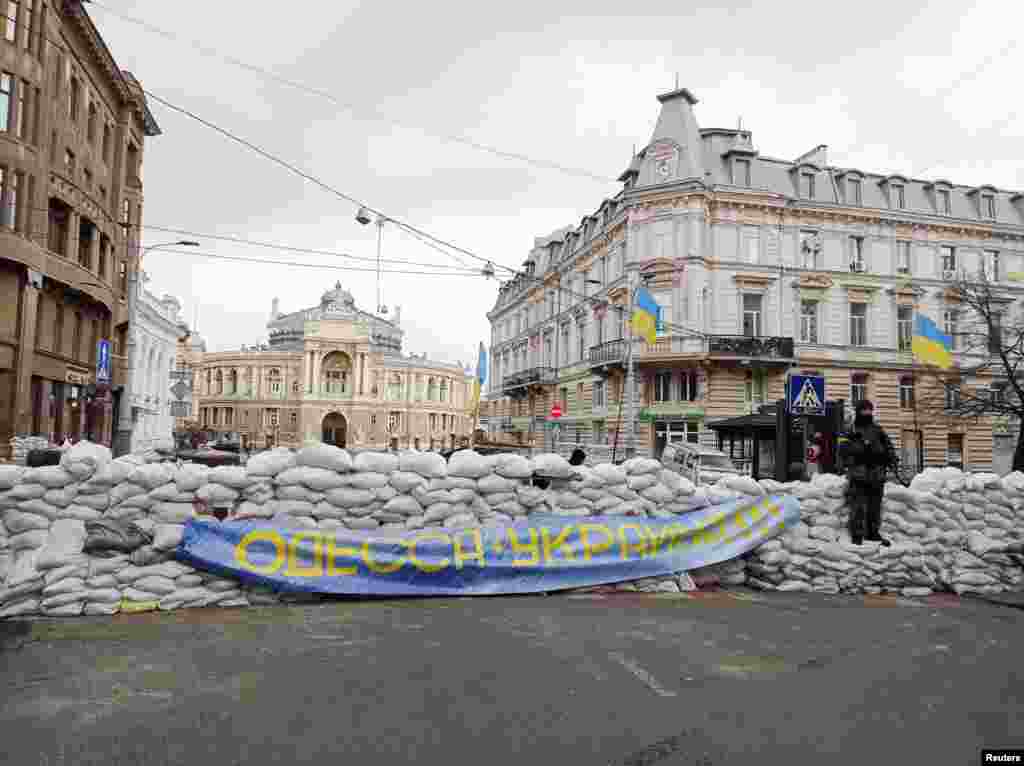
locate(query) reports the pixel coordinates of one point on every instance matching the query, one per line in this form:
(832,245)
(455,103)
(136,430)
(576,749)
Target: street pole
(630,372)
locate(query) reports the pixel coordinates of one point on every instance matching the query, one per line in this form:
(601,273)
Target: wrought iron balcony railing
(609,352)
(751,347)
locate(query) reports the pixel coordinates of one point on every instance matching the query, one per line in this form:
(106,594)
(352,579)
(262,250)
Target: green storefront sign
(680,410)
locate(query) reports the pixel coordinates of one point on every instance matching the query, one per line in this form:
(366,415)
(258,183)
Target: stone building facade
(336,374)
(761,267)
(155,333)
(72,130)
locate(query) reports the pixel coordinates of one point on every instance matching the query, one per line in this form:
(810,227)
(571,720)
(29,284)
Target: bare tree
(987,330)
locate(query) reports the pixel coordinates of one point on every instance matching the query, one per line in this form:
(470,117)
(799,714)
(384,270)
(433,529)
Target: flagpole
(630,374)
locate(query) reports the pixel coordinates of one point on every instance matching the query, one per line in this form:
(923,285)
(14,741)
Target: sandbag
(404,481)
(271,463)
(362,523)
(169,493)
(167,537)
(98,502)
(428,464)
(639,466)
(173,513)
(299,492)
(496,484)
(61,498)
(248,510)
(124,491)
(40,508)
(162,586)
(26,491)
(368,480)
(152,475)
(20,608)
(294,508)
(347,497)
(512,466)
(191,477)
(84,458)
(313,477)
(50,476)
(65,542)
(658,493)
(233,476)
(552,465)
(217,494)
(324,456)
(18,522)
(10,476)
(375,462)
(405,505)
(104,535)
(469,464)
(610,474)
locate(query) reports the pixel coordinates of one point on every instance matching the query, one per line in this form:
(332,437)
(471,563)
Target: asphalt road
(624,680)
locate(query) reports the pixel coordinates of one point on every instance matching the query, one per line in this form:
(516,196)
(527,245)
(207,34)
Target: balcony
(518,384)
(756,348)
(608,354)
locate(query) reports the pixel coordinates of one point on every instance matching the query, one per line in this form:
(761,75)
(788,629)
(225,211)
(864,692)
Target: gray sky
(921,89)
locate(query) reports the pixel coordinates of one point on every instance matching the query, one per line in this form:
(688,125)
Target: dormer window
(898,196)
(984,199)
(943,203)
(807,185)
(854,192)
(741,172)
(988,206)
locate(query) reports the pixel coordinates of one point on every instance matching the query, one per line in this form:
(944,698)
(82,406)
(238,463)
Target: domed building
(332,373)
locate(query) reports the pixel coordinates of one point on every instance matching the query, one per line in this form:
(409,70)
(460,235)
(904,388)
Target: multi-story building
(155,333)
(188,358)
(761,267)
(336,374)
(72,128)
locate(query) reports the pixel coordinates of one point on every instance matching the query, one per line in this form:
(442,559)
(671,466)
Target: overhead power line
(353,108)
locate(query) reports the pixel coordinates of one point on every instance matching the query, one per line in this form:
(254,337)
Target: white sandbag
(98,502)
(319,479)
(603,506)
(405,505)
(659,494)
(610,474)
(438,512)
(11,476)
(103,595)
(26,491)
(511,508)
(794,586)
(113,565)
(173,513)
(217,494)
(593,495)
(64,543)
(191,477)
(51,603)
(368,480)
(428,464)
(260,492)
(404,481)
(387,519)
(530,497)
(35,538)
(63,497)
(551,465)
(639,466)
(497,484)
(50,476)
(167,537)
(294,522)
(18,522)
(325,456)
(512,466)
(233,476)
(139,596)
(20,608)
(587,480)
(362,523)
(270,463)
(347,497)
(323,511)
(469,464)
(294,508)
(65,585)
(497,498)
(383,494)
(152,475)
(568,500)
(249,510)
(299,492)
(162,586)
(375,462)
(101,581)
(169,493)
(124,491)
(98,609)
(460,520)
(743,484)
(84,458)
(40,508)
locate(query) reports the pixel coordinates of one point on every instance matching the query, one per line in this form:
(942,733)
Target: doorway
(335,429)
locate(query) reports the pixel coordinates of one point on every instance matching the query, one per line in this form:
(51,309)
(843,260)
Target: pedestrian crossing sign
(805,394)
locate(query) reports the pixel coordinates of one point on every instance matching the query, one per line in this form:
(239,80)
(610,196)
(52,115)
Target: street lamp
(363,218)
(179,243)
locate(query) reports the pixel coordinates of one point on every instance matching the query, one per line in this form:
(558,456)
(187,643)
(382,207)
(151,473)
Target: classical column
(362,374)
(309,372)
(94,250)
(71,240)
(29,300)
(316,371)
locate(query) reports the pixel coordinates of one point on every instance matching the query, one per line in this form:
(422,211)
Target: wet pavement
(627,680)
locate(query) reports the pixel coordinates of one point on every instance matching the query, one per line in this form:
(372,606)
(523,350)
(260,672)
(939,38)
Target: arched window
(233,382)
(209,382)
(334,372)
(444,391)
(431,390)
(274,380)
(295,389)
(395,387)
(220,382)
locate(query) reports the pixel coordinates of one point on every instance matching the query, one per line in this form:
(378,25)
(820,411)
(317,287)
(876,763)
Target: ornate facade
(72,130)
(760,266)
(332,373)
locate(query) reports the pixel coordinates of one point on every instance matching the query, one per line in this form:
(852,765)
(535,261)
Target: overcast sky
(930,90)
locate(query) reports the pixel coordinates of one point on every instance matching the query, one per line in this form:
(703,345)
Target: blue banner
(542,553)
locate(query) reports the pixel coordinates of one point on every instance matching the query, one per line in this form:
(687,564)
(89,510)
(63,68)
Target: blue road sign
(103,361)
(805,394)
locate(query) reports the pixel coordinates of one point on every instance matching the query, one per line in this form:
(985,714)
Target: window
(988,206)
(688,391)
(904,327)
(394,419)
(26,26)
(951,320)
(228,416)
(990,265)
(11,21)
(998,393)
(21,115)
(899,199)
(854,196)
(563,395)
(948,254)
(858,324)
(565,344)
(597,394)
(581,338)
(90,125)
(87,178)
(74,99)
(952,396)
(751,244)
(106,143)
(663,387)
(955,451)
(857,254)
(907,392)
(126,211)
(10,211)
(600,434)
(995,334)
(858,388)
(810,249)
(741,173)
(6,87)
(753,388)
(294,419)
(69,163)
(433,421)
(659,321)
(808,321)
(274,380)
(122,277)
(272,418)
(807,185)
(693,433)
(902,257)
(911,447)
(943,202)
(751,315)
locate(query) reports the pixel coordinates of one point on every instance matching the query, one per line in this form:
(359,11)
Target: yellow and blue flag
(645,315)
(930,345)
(481,378)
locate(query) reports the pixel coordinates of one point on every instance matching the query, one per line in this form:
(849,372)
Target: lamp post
(134,286)
(363,218)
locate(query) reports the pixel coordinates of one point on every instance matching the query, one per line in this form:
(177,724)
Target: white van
(700,465)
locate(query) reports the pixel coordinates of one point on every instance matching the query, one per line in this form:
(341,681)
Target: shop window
(955,451)
(663,387)
(858,388)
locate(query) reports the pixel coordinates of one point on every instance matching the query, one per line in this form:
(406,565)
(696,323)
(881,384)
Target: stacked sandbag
(22,445)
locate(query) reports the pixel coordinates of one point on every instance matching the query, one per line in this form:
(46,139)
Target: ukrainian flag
(930,345)
(645,315)
(481,378)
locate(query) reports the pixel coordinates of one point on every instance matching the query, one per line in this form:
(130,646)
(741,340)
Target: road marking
(642,675)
